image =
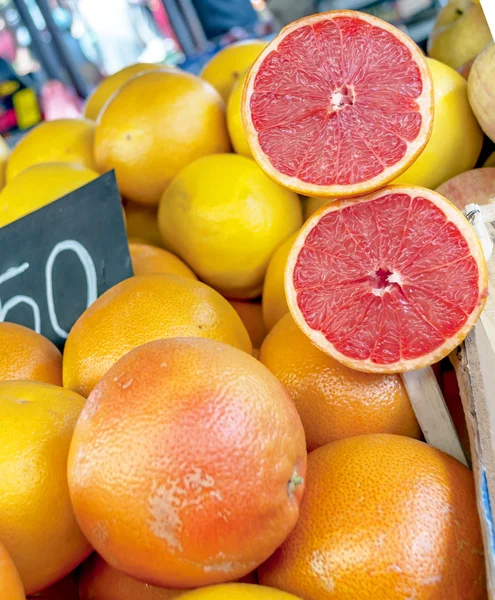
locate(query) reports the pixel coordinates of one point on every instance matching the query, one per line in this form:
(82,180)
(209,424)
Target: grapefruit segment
(388,282)
(338,104)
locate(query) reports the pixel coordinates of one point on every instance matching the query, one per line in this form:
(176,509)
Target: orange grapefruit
(155,125)
(333,401)
(385,517)
(387,282)
(25,354)
(338,104)
(147,260)
(37,523)
(143,309)
(187,465)
(10,582)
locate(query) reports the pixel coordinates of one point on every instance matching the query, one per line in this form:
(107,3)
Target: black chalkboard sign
(56,261)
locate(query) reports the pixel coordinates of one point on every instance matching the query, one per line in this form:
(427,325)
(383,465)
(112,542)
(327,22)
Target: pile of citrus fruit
(230,423)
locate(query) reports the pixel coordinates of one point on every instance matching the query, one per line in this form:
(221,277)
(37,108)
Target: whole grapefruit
(37,523)
(187,465)
(147,260)
(111,84)
(155,125)
(62,140)
(10,583)
(38,186)
(143,309)
(384,516)
(226,67)
(333,401)
(226,218)
(25,354)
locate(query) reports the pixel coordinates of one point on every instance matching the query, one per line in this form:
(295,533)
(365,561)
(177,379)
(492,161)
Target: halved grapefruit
(388,282)
(338,104)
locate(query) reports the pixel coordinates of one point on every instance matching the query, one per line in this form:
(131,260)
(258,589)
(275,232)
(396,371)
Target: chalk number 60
(91,287)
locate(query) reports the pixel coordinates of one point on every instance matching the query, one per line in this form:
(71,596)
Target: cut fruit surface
(388,282)
(338,104)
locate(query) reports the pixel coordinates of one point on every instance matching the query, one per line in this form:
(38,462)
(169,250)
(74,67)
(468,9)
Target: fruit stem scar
(295,480)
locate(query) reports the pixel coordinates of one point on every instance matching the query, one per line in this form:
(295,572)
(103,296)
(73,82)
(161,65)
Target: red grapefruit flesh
(388,282)
(338,104)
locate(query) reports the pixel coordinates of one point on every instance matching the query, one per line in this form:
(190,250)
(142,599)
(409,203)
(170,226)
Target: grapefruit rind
(425,104)
(318,338)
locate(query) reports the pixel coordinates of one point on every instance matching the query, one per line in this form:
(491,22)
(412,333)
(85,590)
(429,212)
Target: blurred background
(56,51)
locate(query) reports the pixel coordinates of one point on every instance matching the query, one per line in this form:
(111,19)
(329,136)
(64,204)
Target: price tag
(56,261)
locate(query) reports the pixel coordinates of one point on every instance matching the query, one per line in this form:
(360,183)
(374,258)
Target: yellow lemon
(63,140)
(274,304)
(4,157)
(38,186)
(225,218)
(37,524)
(107,88)
(234,120)
(237,591)
(456,139)
(225,68)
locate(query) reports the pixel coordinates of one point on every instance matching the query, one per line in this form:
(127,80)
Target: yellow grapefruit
(155,125)
(37,524)
(107,88)
(225,218)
